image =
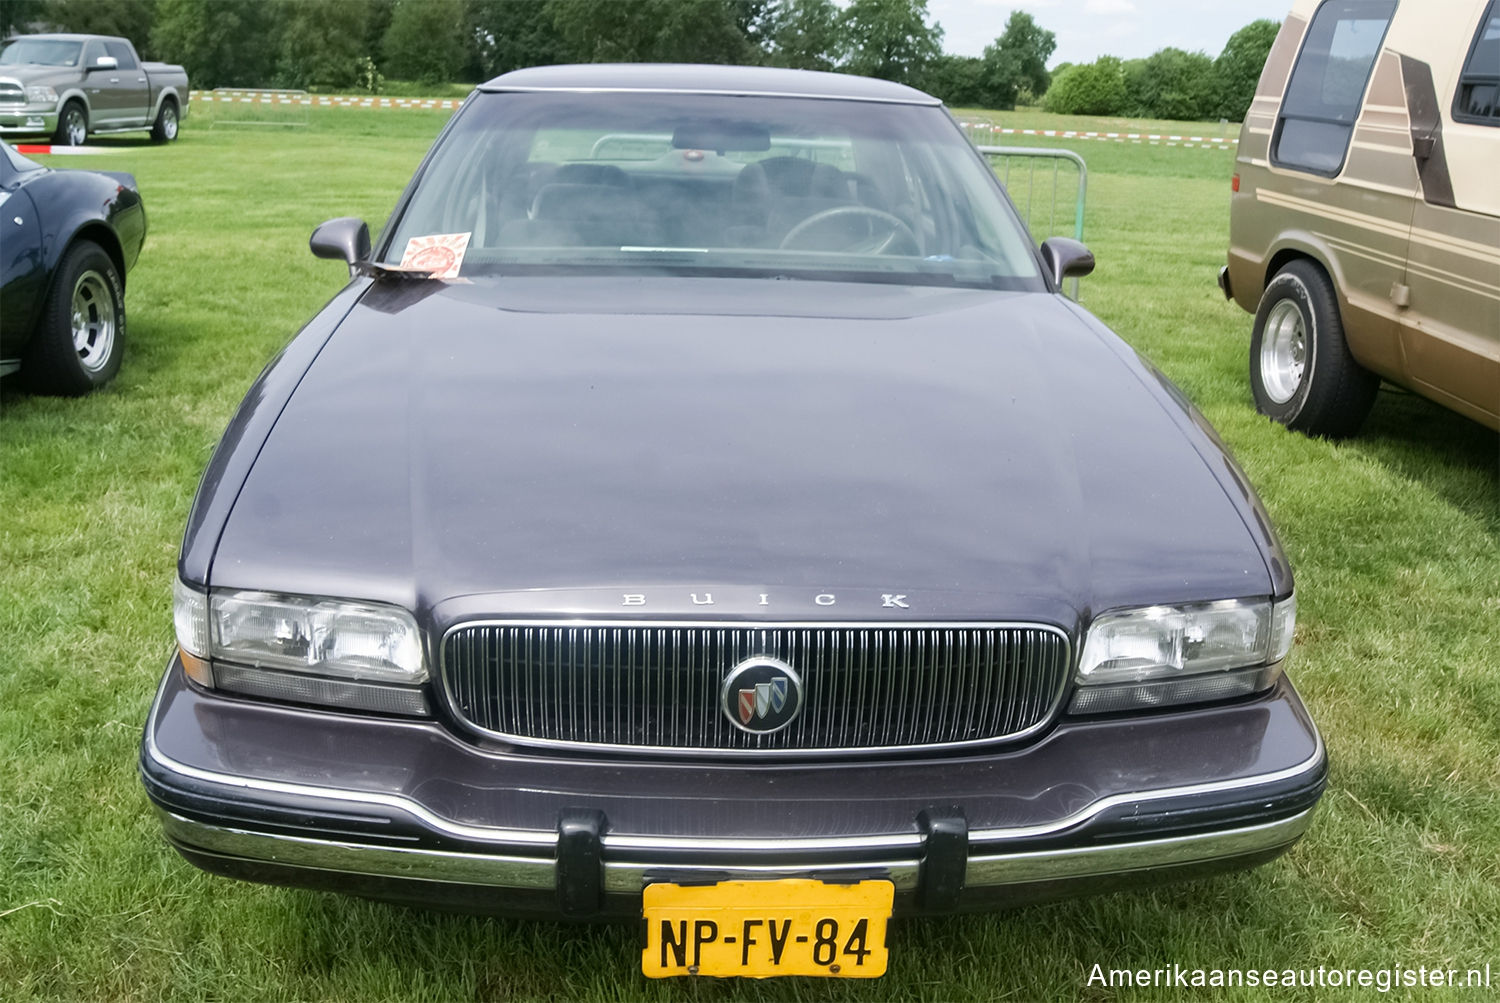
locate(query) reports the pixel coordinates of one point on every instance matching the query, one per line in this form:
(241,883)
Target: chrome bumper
(23,122)
(625,877)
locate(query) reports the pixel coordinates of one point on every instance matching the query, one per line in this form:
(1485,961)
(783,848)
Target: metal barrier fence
(1031,192)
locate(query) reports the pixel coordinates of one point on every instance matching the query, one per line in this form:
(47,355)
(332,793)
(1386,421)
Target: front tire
(72,125)
(1301,371)
(164,129)
(82,335)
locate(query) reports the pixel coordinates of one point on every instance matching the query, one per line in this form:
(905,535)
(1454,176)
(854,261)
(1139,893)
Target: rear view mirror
(722,136)
(346,238)
(106,63)
(1067,258)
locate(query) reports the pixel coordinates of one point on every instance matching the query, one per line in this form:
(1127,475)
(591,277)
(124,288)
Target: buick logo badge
(761,695)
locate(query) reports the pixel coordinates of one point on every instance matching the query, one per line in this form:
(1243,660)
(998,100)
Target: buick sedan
(702,508)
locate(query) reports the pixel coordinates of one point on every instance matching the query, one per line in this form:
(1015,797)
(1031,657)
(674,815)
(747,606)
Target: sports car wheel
(1301,372)
(72,125)
(82,335)
(164,130)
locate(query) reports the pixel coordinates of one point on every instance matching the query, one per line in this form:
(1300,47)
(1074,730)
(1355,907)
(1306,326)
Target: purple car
(703,508)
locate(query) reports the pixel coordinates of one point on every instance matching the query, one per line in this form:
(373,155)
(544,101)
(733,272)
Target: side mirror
(106,63)
(346,238)
(1067,258)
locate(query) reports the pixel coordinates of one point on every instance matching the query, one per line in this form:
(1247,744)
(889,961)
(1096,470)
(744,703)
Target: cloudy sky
(1087,29)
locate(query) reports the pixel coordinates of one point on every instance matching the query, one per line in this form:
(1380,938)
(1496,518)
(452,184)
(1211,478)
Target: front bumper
(405,811)
(27,121)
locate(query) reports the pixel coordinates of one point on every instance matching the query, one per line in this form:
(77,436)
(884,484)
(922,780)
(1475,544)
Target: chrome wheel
(93,321)
(75,127)
(165,128)
(1283,352)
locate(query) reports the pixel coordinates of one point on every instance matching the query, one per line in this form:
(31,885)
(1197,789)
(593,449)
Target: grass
(1395,538)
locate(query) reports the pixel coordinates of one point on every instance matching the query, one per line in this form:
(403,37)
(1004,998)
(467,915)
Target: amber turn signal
(197,669)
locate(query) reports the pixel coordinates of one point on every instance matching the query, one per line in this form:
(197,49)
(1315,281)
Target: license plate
(761,929)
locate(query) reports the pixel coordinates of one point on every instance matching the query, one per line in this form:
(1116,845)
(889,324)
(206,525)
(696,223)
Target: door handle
(114,80)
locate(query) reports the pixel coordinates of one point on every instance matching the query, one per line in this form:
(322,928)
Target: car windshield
(14,162)
(40,52)
(682,183)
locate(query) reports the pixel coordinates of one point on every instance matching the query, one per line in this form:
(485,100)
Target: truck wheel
(72,125)
(164,130)
(1301,372)
(82,335)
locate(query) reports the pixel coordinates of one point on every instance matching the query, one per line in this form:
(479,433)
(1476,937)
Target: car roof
(58,36)
(691,79)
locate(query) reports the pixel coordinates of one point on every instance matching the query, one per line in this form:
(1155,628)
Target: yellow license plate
(760,929)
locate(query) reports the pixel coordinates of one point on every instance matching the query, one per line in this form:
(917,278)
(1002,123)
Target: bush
(1096,88)
(1174,84)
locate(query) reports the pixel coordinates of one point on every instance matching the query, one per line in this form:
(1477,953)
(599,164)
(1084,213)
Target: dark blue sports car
(69,238)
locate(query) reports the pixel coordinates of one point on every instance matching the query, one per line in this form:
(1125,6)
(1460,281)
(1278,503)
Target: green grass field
(1395,538)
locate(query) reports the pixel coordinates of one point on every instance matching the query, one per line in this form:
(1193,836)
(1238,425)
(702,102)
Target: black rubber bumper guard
(580,860)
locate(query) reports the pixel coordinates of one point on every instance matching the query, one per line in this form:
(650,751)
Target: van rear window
(1328,84)
(1479,85)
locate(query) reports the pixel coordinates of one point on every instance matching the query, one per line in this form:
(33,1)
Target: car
(71,237)
(701,508)
(1364,228)
(74,86)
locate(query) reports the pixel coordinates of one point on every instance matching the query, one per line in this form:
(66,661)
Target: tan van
(1365,222)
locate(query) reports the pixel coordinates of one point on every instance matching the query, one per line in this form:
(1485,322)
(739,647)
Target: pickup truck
(75,85)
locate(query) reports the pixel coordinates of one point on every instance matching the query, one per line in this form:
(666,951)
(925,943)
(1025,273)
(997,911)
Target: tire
(72,125)
(164,129)
(1301,372)
(81,339)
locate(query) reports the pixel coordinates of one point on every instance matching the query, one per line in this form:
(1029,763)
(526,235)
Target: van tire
(1301,371)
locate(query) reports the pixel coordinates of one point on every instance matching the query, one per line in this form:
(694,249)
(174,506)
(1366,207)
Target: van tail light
(1234,183)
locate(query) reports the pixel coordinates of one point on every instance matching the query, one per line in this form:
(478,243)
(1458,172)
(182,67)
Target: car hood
(555,445)
(37,75)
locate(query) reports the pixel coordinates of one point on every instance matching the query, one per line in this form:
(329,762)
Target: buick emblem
(761,695)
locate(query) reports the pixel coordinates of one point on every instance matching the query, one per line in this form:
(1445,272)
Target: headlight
(41,95)
(1163,655)
(331,651)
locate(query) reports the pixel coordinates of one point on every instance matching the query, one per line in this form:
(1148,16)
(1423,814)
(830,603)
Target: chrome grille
(11,93)
(657,686)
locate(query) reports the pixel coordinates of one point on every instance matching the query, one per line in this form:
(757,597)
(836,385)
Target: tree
(958,81)
(654,31)
(322,44)
(1096,88)
(1174,84)
(128,18)
(1015,64)
(1238,67)
(890,39)
(220,42)
(427,41)
(516,33)
(18,16)
(804,34)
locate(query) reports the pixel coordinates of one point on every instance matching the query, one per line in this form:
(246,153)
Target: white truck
(72,86)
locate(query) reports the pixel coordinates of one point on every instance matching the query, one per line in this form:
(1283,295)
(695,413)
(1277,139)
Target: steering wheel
(898,228)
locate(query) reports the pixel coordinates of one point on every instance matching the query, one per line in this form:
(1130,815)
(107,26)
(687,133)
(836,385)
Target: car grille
(657,686)
(11,93)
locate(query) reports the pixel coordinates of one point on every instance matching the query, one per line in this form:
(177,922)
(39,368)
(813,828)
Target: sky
(1088,29)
